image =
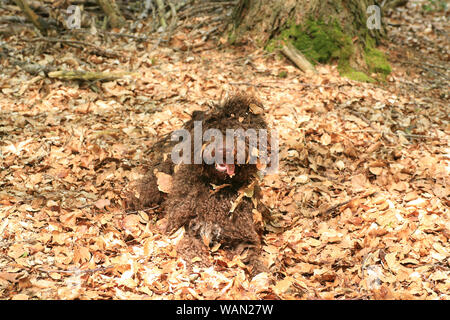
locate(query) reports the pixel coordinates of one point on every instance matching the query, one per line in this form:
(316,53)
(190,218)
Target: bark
(32,16)
(358,21)
(116,20)
(261,21)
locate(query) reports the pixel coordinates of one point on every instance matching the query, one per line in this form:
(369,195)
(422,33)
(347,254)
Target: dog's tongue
(230,169)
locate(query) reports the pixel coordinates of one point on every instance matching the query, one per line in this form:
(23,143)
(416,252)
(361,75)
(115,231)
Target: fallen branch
(333,208)
(420,136)
(87,75)
(76,43)
(329,212)
(297,58)
(143,209)
(33,68)
(76,271)
(12,19)
(299,87)
(114,34)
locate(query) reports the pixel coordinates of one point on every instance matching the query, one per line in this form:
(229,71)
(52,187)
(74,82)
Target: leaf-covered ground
(361,199)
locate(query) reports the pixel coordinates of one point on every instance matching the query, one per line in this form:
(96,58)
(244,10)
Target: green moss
(322,42)
(273,45)
(232,37)
(435,5)
(283,74)
(318,41)
(375,59)
(346,71)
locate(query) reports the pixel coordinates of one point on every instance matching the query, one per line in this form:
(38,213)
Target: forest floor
(361,198)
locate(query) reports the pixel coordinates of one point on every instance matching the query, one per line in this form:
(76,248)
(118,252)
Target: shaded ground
(361,198)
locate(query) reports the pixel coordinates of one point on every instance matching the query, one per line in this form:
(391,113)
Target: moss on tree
(375,59)
(323,42)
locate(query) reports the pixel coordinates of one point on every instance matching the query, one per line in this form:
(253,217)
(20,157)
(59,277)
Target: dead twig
(143,209)
(113,34)
(76,43)
(12,19)
(300,86)
(75,270)
(333,208)
(326,212)
(87,75)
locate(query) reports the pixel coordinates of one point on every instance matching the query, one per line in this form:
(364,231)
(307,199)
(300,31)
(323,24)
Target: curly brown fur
(145,194)
(203,211)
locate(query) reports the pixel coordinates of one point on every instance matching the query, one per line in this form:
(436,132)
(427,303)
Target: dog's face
(227,162)
(220,165)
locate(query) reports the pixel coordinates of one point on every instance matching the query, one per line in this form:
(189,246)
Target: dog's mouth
(224,167)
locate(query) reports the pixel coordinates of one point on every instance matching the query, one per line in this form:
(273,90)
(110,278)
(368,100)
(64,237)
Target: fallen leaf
(164,182)
(102,203)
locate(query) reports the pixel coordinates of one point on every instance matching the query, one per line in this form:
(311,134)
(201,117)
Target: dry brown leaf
(164,182)
(283,286)
(102,203)
(81,255)
(376,170)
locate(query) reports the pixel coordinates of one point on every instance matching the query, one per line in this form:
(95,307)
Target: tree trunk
(32,16)
(116,20)
(349,30)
